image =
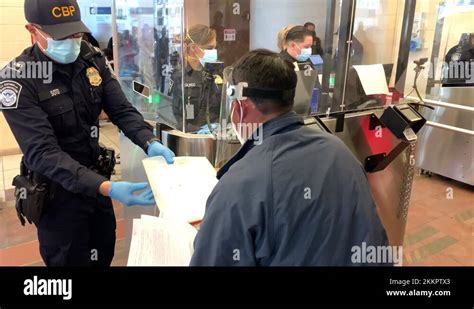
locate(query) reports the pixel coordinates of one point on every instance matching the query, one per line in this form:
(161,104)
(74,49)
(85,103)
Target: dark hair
(298,34)
(265,69)
(308,24)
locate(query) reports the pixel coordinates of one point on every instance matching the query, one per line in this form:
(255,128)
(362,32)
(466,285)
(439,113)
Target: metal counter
(391,188)
(446,143)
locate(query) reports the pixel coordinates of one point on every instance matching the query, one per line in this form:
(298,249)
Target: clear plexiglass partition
(149,47)
(172,53)
(441,46)
(452,53)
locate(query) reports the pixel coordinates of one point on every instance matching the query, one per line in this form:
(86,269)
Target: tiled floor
(440,227)
(9,168)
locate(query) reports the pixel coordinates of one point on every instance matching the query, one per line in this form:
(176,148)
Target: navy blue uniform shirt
(56,124)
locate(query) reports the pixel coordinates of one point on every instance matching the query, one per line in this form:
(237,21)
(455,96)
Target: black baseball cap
(58,18)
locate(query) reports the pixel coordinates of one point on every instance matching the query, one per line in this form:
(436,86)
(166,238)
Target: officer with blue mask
(202,88)
(55,121)
(295,43)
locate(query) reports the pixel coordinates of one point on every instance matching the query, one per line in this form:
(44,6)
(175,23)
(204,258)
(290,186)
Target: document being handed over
(181,190)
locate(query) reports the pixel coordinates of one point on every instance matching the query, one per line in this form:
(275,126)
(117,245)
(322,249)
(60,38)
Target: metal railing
(459,107)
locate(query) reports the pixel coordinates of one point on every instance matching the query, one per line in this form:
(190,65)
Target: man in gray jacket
(300,198)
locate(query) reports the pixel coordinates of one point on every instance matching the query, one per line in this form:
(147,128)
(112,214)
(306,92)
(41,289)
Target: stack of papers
(181,190)
(161,242)
(372,78)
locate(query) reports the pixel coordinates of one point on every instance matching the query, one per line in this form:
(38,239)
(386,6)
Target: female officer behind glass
(202,89)
(295,44)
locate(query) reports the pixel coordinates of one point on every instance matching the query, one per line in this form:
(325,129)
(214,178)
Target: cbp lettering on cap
(63,11)
(59,19)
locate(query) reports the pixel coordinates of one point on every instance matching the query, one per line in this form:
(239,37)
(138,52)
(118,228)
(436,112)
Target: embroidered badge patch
(9,94)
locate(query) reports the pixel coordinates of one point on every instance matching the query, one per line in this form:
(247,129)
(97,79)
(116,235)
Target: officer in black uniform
(460,56)
(317,44)
(56,125)
(202,87)
(296,44)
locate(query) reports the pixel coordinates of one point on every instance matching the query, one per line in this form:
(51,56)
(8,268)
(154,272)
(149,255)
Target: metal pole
(445,104)
(436,47)
(328,43)
(344,51)
(450,128)
(404,49)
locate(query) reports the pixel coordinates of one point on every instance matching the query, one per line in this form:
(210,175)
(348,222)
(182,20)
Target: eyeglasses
(74,36)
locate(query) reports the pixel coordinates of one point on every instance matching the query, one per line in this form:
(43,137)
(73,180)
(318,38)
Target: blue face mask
(210,56)
(64,51)
(305,54)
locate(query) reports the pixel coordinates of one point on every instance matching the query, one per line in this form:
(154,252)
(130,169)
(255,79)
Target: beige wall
(13,40)
(13,36)
(377,27)
(196,12)
(269,16)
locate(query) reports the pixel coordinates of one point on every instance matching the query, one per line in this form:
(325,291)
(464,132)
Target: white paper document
(373,79)
(161,242)
(181,189)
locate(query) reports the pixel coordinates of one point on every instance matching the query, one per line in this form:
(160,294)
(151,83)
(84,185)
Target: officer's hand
(156,149)
(124,192)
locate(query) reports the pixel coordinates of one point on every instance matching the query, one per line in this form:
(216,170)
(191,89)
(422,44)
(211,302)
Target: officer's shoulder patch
(9,94)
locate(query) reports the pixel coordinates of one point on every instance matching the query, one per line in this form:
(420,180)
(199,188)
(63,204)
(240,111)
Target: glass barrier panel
(374,54)
(149,48)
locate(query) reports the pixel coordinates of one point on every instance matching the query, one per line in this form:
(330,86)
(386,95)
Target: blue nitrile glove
(156,149)
(204,130)
(124,193)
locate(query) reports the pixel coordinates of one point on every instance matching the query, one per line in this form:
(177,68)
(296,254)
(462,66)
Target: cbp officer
(202,88)
(56,125)
(317,48)
(295,43)
(300,198)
